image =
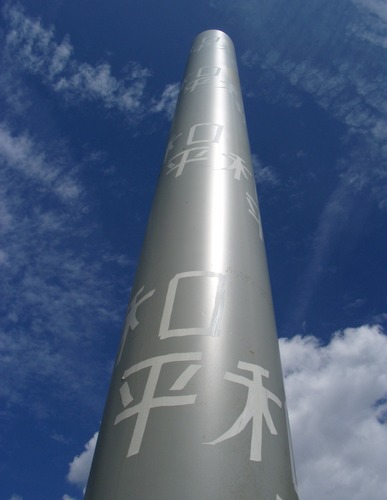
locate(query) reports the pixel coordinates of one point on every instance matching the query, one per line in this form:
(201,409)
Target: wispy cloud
(317,51)
(79,467)
(32,48)
(333,219)
(57,293)
(377,7)
(264,174)
(337,397)
(167,101)
(353,93)
(22,154)
(51,280)
(372,24)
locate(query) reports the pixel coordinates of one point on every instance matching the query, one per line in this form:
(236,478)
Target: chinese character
(131,320)
(204,134)
(201,296)
(149,400)
(239,165)
(179,161)
(171,144)
(254,211)
(229,87)
(206,42)
(193,84)
(233,91)
(256,409)
(203,76)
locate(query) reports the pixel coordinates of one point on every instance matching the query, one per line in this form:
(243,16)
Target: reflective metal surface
(196,408)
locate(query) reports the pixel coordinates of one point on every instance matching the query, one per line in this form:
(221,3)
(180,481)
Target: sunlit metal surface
(196,408)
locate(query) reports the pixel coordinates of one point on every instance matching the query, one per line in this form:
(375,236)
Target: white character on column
(254,211)
(200,138)
(239,165)
(131,320)
(256,409)
(142,409)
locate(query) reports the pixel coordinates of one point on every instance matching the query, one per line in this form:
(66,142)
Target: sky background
(87,92)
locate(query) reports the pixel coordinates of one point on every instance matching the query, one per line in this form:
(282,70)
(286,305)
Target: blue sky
(87,92)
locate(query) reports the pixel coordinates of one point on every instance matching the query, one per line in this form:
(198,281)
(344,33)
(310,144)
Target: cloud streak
(353,93)
(337,56)
(32,48)
(265,175)
(55,293)
(20,153)
(167,101)
(371,27)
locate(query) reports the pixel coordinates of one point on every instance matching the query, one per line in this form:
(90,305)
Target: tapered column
(196,408)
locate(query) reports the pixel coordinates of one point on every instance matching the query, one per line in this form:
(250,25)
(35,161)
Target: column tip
(213,33)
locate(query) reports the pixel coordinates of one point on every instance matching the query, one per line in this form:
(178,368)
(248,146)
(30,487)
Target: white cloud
(371,26)
(337,399)
(68,497)
(20,152)
(32,48)
(54,294)
(80,465)
(15,497)
(167,101)
(376,7)
(264,175)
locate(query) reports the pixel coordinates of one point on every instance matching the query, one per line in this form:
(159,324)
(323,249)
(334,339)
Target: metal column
(196,408)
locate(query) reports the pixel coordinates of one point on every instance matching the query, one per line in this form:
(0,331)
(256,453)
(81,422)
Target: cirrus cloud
(32,48)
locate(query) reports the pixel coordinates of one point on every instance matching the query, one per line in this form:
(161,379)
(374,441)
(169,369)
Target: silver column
(196,408)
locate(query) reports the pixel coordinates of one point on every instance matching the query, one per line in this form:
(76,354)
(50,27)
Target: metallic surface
(196,408)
